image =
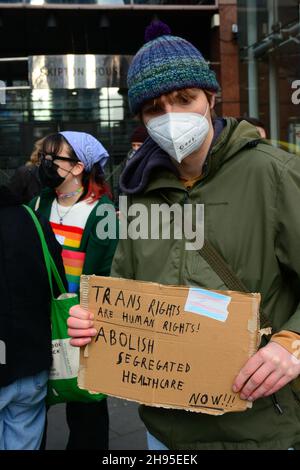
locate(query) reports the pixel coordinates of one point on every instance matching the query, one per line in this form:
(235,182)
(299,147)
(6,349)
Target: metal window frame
(108,7)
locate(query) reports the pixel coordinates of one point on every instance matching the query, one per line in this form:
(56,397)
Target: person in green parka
(251,193)
(74,201)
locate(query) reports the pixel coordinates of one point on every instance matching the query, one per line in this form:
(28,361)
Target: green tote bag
(62,384)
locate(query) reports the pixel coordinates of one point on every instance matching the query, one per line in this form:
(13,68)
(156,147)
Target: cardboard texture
(168,346)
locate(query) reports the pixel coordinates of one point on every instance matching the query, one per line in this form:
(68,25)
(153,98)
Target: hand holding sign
(80,325)
(270,369)
(168,346)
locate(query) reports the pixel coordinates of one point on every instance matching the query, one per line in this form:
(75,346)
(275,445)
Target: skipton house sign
(78,71)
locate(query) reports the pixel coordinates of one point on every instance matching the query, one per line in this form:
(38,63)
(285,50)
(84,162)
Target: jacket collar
(152,169)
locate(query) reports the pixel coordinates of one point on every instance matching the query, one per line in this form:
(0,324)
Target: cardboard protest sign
(168,346)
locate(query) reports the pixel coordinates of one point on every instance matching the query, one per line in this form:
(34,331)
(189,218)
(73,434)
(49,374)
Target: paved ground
(126,429)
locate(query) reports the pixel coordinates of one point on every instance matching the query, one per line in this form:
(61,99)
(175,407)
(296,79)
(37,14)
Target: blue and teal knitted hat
(164,64)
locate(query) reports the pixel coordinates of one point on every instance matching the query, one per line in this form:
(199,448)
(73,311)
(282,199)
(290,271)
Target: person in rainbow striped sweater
(71,171)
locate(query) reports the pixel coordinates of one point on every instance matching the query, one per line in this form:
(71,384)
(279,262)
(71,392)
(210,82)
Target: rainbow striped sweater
(75,229)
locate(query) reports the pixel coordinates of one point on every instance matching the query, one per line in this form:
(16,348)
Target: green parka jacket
(251,193)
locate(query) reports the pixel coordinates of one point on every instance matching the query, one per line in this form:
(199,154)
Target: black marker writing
(151,382)
(153,364)
(129,341)
(157,307)
(138,320)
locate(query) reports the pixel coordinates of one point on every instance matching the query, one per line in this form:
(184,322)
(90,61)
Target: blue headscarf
(87,149)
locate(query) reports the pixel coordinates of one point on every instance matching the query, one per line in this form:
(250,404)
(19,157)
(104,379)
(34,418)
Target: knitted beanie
(164,64)
(140,134)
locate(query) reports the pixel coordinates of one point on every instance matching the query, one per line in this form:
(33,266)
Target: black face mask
(48,174)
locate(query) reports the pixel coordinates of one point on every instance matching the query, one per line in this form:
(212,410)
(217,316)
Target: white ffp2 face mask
(179,134)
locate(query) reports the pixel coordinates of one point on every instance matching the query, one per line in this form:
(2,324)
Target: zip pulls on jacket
(182,247)
(276,404)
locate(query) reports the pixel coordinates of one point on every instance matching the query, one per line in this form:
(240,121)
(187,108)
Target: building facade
(63,66)
(270,67)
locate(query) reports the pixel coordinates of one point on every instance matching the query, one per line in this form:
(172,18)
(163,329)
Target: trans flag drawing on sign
(207,303)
